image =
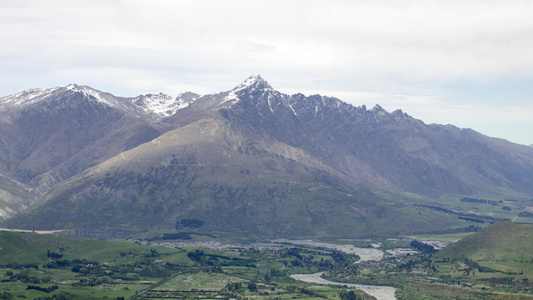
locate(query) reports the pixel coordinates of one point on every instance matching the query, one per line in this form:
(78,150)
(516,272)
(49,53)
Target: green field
(494,263)
(50,267)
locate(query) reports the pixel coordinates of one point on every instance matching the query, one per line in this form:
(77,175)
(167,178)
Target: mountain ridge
(155,106)
(274,164)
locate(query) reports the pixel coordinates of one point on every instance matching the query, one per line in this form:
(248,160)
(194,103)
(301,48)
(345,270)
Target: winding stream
(380,292)
(366,254)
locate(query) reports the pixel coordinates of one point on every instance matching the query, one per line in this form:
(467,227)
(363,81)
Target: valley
(52,267)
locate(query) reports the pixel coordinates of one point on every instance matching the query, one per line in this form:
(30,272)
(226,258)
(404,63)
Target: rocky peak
(187,97)
(251,86)
(377,109)
(253,83)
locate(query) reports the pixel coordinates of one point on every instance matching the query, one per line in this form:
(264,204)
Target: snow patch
(253,81)
(231,97)
(293,111)
(379,111)
(270,105)
(161,104)
(26,97)
(90,92)
(32,96)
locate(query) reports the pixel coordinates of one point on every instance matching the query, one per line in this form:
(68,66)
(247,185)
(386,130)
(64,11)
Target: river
(366,254)
(380,292)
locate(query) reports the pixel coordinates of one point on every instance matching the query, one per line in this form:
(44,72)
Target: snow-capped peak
(378,108)
(32,96)
(95,94)
(252,79)
(379,111)
(253,82)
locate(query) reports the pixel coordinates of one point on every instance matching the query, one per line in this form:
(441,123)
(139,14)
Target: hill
(501,241)
(30,248)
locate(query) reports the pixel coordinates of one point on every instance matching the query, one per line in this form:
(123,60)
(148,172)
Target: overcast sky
(466,63)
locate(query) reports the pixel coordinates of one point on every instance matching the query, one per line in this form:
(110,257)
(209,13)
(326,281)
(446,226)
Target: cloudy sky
(466,63)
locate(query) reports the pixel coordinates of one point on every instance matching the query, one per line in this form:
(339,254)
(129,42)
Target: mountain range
(250,161)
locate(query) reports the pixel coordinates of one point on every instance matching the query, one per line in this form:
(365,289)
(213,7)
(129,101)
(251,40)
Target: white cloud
(412,39)
(351,49)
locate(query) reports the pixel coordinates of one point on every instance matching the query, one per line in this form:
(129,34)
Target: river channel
(366,254)
(380,292)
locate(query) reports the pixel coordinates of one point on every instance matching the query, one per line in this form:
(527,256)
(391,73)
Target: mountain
(49,135)
(204,171)
(391,151)
(250,161)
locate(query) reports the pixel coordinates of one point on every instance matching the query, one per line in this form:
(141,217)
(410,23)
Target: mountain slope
(236,184)
(14,196)
(264,188)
